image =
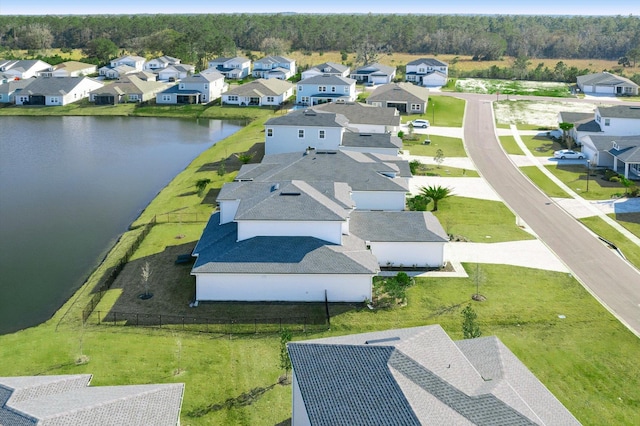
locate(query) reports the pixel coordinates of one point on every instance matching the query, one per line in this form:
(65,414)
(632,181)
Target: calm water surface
(69,186)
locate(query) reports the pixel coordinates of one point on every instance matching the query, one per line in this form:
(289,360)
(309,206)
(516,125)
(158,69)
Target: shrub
(615,179)
(608,174)
(414,165)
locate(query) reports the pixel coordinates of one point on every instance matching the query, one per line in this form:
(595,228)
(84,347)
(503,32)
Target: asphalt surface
(614,282)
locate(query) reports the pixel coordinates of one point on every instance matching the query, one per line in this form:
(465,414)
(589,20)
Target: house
(274,67)
(23,69)
(584,123)
(405,97)
(56,91)
(626,156)
(621,120)
(196,89)
(427,72)
(70,69)
(69,400)
(136,62)
(235,68)
(282,241)
(160,63)
(416,376)
(377,182)
(607,83)
(129,89)
(259,92)
(322,89)
(5,78)
(300,129)
(175,72)
(612,152)
(374,74)
(9,90)
(144,75)
(401,238)
(328,68)
(113,73)
(365,118)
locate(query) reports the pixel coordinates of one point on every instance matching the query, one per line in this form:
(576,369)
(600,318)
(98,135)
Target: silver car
(568,154)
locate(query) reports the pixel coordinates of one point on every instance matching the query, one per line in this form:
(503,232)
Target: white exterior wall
(620,126)
(299,415)
(285,139)
(379,200)
(228,210)
(408,253)
(381,79)
(434,80)
(327,231)
(283,287)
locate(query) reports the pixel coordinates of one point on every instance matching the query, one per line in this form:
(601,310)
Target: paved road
(612,280)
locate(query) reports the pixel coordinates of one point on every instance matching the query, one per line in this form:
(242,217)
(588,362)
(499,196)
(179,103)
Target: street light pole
(588,173)
(433,113)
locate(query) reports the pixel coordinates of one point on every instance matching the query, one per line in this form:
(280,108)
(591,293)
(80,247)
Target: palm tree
(566,127)
(436,193)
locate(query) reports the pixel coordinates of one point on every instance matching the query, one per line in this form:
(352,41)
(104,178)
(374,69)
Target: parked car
(420,123)
(568,154)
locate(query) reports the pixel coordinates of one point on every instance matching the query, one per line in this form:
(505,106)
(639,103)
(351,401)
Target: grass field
(541,146)
(603,229)
(451,147)
(575,177)
(513,87)
(510,146)
(543,182)
(432,170)
(443,111)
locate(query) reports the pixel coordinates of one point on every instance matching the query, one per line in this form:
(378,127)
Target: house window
(607,121)
(166,97)
(415,107)
(320,134)
(181,86)
(322,88)
(333,89)
(269,133)
(206,87)
(232,98)
(270,99)
(305,100)
(377,104)
(346,89)
(421,70)
(300,133)
(300,88)
(597,118)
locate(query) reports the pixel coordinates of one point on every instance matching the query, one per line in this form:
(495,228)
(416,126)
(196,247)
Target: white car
(420,123)
(568,154)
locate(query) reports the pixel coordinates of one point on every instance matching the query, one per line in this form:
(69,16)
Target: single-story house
(56,91)
(607,83)
(195,89)
(328,68)
(69,400)
(405,97)
(401,238)
(626,156)
(416,376)
(23,68)
(274,67)
(322,89)
(374,74)
(233,68)
(129,89)
(427,72)
(365,118)
(259,92)
(9,90)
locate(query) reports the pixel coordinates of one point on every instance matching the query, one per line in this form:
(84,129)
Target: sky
(502,7)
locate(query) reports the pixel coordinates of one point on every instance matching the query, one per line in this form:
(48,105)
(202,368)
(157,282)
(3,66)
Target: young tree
(145,273)
(436,193)
(201,185)
(470,328)
(565,127)
(285,361)
(439,157)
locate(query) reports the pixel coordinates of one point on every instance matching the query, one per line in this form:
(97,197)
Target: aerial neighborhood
(324,215)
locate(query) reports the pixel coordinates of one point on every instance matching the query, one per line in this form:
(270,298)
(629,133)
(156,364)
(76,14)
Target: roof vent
(325,152)
(275,187)
(385,340)
(365,134)
(289,193)
(309,112)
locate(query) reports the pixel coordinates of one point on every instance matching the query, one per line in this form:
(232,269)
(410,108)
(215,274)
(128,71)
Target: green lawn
(512,87)
(444,111)
(543,182)
(433,170)
(451,147)
(510,146)
(541,146)
(631,221)
(630,250)
(575,177)
(480,221)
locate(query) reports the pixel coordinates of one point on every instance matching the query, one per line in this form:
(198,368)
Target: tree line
(198,38)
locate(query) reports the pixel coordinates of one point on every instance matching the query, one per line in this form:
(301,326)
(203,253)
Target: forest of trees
(198,38)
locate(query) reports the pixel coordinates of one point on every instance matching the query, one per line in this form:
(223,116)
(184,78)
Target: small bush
(615,179)
(608,174)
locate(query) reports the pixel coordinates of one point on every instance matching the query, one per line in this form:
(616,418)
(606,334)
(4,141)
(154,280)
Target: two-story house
(323,88)
(195,89)
(328,68)
(427,72)
(160,63)
(232,68)
(365,118)
(274,67)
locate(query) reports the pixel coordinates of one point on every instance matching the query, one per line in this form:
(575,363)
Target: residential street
(607,276)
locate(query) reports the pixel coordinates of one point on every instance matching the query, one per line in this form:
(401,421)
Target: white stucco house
(365,118)
(259,92)
(23,69)
(195,89)
(56,91)
(235,68)
(607,83)
(322,89)
(427,72)
(374,74)
(328,68)
(274,67)
(405,97)
(416,376)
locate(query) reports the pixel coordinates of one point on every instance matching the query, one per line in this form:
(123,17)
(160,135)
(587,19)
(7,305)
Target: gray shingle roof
(628,154)
(219,251)
(575,117)
(48,400)
(131,85)
(362,172)
(604,79)
(261,87)
(15,85)
(605,143)
(371,140)
(309,118)
(404,92)
(53,85)
(203,78)
(428,61)
(330,80)
(357,113)
(375,68)
(477,381)
(330,68)
(620,111)
(274,60)
(406,226)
